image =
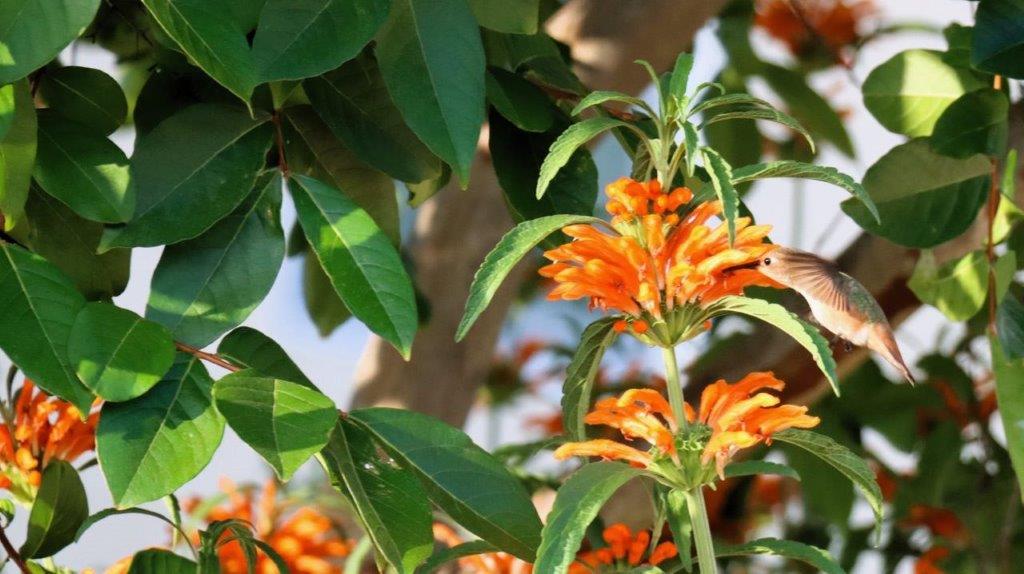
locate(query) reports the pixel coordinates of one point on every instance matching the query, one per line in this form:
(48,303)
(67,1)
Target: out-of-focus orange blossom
(305,538)
(625,550)
(653,260)
(487,563)
(38,429)
(836,23)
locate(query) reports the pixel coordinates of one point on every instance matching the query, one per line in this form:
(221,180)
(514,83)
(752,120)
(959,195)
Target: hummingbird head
(782,263)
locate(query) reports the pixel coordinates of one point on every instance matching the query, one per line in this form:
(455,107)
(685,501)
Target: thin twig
(837,57)
(564,95)
(12,553)
(282,162)
(208,357)
(990,248)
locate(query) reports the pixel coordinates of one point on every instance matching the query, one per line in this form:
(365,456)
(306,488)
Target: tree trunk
(455,229)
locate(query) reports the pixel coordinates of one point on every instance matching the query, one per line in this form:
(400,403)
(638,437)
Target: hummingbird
(838,302)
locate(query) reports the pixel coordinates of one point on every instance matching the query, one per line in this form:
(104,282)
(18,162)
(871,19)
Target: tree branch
(208,357)
(12,553)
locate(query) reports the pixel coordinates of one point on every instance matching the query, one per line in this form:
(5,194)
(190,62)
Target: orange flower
(41,428)
(741,417)
(624,549)
(654,260)
(940,521)
(306,539)
(489,563)
(638,413)
(926,564)
(837,23)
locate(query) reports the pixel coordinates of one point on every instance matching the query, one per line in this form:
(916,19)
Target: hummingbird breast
(842,323)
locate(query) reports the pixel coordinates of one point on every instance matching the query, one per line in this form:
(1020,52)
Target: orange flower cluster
(835,22)
(625,550)
(654,259)
(638,413)
(41,429)
(940,521)
(306,540)
(738,415)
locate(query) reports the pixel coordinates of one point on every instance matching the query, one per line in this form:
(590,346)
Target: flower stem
(675,390)
(701,531)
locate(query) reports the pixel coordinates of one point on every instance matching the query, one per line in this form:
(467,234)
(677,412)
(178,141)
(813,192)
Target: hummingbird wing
(820,280)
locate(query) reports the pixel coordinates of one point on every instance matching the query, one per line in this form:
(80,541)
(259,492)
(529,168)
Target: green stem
(675,390)
(701,531)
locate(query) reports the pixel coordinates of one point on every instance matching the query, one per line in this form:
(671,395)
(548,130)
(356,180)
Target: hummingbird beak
(751,265)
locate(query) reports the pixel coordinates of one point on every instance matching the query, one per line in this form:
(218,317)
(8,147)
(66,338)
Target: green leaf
(438,88)
(35,31)
(811,555)
(118,354)
(390,502)
(7,108)
(211,38)
(1008,187)
(681,526)
(721,176)
(17,156)
(160,561)
(1010,327)
(517,157)
(842,459)
(997,45)
(692,140)
(580,375)
(150,446)
(313,150)
(908,93)
(769,114)
(1010,397)
(69,242)
(913,183)
(519,101)
(473,487)
(600,97)
(777,315)
(576,505)
(85,95)
(83,169)
(959,287)
(456,552)
(975,123)
(799,169)
(284,422)
(680,76)
(59,509)
(323,304)
(500,261)
(755,467)
(566,145)
(364,267)
(208,285)
(354,103)
(252,349)
(730,99)
(301,38)
(808,106)
(40,305)
(184,184)
(519,17)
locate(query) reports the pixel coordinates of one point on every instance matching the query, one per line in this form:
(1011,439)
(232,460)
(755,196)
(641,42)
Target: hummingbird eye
(767,260)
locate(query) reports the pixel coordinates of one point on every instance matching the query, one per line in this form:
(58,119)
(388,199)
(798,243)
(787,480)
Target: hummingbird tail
(885,345)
